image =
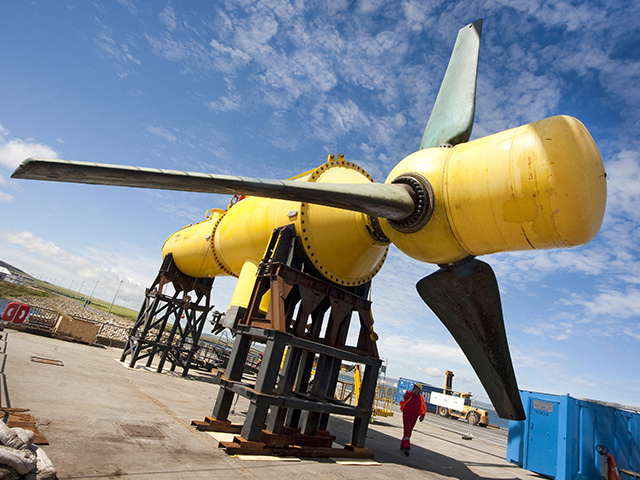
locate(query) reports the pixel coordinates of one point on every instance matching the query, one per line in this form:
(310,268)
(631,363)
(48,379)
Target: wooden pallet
(210,424)
(240,446)
(290,443)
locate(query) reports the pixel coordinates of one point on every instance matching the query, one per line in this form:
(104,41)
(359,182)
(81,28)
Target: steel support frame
(170,326)
(279,398)
(300,303)
(309,318)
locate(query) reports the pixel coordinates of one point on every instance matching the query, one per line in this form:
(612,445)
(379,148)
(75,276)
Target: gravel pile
(112,327)
(74,309)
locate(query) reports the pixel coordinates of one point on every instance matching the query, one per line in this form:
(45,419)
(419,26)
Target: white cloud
(623,184)
(417,14)
(369,7)
(5,197)
(227,103)
(232,57)
(38,256)
(566,14)
(37,246)
(129,5)
(15,150)
(523,268)
(168,18)
(331,120)
(297,60)
(162,133)
(95,267)
(335,7)
(120,52)
(611,303)
(413,347)
(431,372)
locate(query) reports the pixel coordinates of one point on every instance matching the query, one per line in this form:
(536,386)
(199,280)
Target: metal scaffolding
(170,326)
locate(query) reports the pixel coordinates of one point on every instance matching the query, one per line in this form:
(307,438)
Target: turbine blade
(375,199)
(465,297)
(451,119)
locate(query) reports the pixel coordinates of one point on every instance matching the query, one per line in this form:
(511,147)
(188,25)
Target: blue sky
(269,89)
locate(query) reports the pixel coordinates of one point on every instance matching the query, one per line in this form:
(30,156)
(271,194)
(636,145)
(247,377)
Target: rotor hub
(422,193)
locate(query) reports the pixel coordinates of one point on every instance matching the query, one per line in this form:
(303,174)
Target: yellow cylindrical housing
(244,232)
(191,248)
(538,186)
(338,242)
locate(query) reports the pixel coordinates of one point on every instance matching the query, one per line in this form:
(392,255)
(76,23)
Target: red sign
(15,312)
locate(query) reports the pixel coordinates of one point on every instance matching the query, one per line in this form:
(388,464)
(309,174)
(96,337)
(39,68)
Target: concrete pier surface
(106,421)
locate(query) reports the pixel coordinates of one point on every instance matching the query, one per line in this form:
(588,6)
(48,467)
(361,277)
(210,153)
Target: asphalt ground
(106,421)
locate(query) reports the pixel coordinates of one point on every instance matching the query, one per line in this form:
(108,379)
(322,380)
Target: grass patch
(10,290)
(115,309)
(98,304)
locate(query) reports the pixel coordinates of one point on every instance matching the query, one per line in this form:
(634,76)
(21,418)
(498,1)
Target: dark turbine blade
(465,297)
(375,199)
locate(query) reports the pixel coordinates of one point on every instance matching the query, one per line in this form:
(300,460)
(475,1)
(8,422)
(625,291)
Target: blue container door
(542,451)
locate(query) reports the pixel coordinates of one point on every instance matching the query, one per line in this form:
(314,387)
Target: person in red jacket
(413,407)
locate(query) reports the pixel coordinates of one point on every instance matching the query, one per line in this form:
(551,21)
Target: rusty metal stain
(147,431)
(47,361)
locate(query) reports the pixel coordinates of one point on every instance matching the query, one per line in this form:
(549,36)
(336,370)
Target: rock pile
(73,309)
(113,329)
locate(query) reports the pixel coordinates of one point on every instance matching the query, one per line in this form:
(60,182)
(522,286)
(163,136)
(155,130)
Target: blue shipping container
(558,439)
(405,384)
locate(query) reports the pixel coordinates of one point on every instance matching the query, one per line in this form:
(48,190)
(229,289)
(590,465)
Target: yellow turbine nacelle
(346,247)
(538,186)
